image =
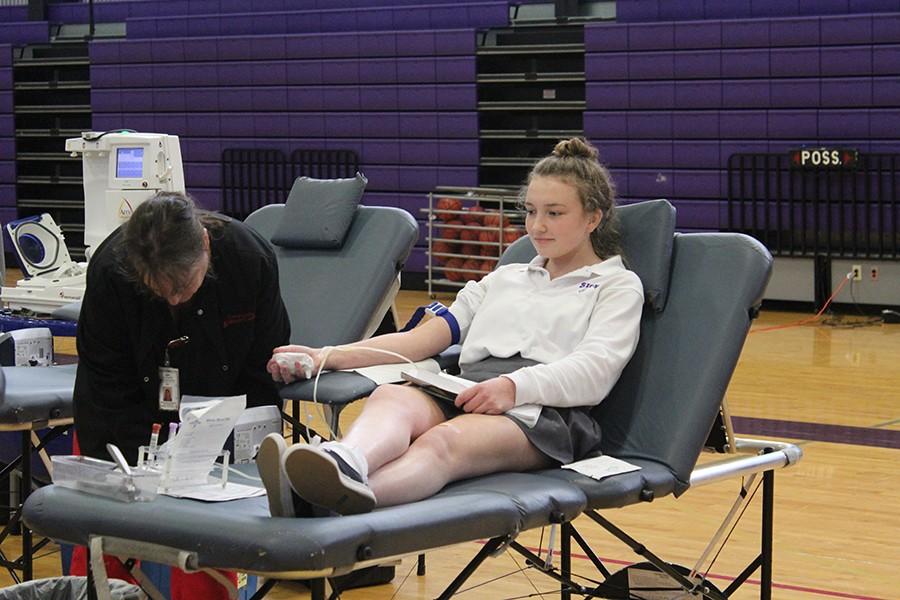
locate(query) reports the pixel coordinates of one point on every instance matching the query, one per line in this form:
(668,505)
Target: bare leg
(392,417)
(465,446)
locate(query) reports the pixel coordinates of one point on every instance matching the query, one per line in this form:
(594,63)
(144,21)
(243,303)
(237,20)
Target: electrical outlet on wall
(857,272)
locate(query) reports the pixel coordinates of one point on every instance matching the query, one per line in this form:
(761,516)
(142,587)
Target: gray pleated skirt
(562,434)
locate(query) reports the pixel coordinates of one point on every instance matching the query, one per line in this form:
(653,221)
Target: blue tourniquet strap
(438,310)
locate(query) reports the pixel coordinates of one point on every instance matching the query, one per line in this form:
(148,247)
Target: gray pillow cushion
(318,212)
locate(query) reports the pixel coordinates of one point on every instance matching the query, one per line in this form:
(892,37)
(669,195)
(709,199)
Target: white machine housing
(121,169)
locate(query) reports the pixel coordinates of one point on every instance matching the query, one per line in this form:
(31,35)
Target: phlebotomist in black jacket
(178,301)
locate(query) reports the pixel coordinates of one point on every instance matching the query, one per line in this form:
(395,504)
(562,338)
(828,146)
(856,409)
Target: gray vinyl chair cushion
(647,229)
(318,212)
(331,294)
(653,480)
(240,534)
(666,400)
(31,394)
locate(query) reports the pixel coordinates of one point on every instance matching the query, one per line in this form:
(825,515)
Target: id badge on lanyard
(169,387)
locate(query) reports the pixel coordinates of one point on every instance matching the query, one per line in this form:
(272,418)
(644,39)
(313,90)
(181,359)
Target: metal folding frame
(765,456)
(30,443)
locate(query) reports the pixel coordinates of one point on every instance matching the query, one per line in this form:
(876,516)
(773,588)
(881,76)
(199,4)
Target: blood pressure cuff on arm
(438,310)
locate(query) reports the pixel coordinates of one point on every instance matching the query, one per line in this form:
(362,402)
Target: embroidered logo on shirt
(586,285)
(235,319)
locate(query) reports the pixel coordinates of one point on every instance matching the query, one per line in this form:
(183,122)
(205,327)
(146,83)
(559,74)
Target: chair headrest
(647,229)
(318,212)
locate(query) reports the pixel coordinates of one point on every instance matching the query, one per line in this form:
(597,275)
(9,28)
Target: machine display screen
(129,163)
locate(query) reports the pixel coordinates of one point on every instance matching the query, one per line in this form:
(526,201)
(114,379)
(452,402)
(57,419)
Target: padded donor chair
(339,263)
(32,399)
(702,290)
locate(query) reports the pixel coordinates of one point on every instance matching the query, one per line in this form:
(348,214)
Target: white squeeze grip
(290,360)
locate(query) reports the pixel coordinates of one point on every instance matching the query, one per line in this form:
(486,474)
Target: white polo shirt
(582,327)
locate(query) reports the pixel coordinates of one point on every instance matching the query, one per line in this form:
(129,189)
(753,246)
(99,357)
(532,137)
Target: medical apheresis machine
(121,168)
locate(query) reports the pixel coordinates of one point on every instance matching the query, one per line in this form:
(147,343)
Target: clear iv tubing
(326,352)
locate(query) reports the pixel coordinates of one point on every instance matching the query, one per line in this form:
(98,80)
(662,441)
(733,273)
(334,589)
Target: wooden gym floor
(833,389)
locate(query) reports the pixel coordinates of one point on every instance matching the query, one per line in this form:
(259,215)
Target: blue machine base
(58,327)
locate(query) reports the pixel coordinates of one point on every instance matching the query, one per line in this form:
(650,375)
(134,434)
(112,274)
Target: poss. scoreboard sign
(824,158)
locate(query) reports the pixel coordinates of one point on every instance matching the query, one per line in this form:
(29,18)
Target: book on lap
(442,385)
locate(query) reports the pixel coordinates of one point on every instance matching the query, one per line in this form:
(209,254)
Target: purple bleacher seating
(698,64)
(823,7)
(605,37)
(746,62)
(651,65)
(10,14)
(649,124)
(886,29)
(799,124)
(884,123)
(7,170)
(637,10)
(411,152)
(606,66)
(424,123)
(694,183)
(844,29)
(846,60)
(650,94)
(795,62)
(728,147)
(683,10)
(700,94)
(745,93)
(746,34)
(794,32)
(886,60)
(698,35)
(607,95)
(699,214)
(787,93)
(651,36)
(696,154)
(613,153)
(872,6)
(843,124)
(743,124)
(460,41)
(648,183)
(25,32)
(886,91)
(846,91)
(479,14)
(733,9)
(774,8)
(649,154)
(605,125)
(695,125)
(454,69)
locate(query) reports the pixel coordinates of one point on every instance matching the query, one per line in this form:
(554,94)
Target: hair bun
(577,147)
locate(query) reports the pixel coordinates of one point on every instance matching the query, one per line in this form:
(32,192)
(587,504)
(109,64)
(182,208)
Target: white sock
(352,455)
